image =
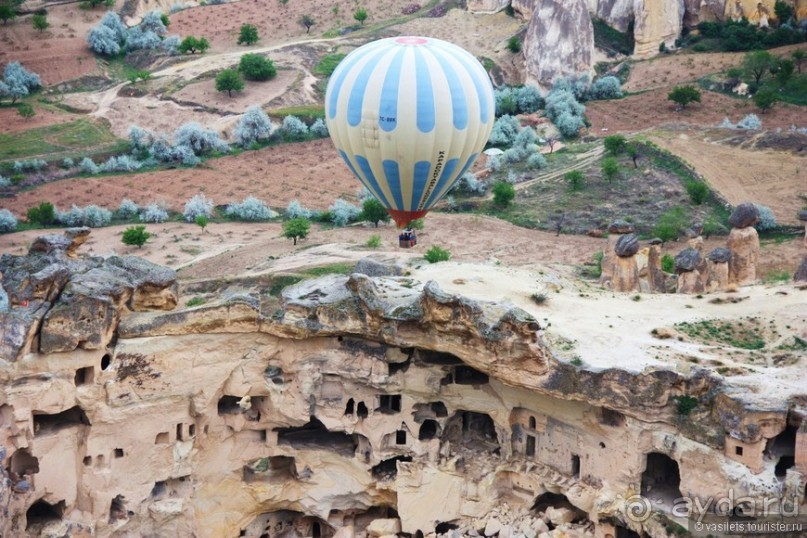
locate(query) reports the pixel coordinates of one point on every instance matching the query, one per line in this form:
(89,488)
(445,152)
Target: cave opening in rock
(41,513)
(575,466)
(388,469)
(228,405)
(400,437)
(465,375)
(106,360)
(117,508)
(47,423)
(428,430)
(473,431)
(159,489)
(662,477)
(395,367)
(423,411)
(782,450)
(273,468)
(22,463)
(556,500)
(612,418)
(84,376)
(389,403)
(530,451)
(444,527)
(437,358)
(361,410)
(350,407)
(315,435)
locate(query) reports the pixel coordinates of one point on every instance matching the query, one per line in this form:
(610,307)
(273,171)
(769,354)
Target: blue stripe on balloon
(448,177)
(355,102)
(419,185)
(394,182)
(364,164)
(425,93)
(388,107)
(340,74)
(459,105)
(356,173)
(483,87)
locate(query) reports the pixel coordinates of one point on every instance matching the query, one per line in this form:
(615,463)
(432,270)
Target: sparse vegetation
(296,228)
(44,214)
(135,236)
(373,211)
(248,34)
(192,45)
(684,95)
(747,333)
(503,193)
(437,254)
(327,64)
(575,179)
(360,15)
(514,44)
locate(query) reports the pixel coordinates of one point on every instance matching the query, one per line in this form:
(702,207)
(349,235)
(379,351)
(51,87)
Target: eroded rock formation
(356,405)
(743,242)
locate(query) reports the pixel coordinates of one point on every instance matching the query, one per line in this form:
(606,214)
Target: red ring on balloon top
(411,40)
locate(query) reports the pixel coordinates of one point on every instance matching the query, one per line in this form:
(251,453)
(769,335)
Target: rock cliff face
(486,6)
(356,405)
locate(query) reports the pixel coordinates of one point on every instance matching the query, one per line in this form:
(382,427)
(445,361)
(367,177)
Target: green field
(80,137)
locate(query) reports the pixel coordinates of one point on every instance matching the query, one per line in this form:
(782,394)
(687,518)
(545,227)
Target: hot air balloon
(409,116)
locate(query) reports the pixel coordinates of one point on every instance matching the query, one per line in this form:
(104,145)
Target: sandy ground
(310,172)
(58,53)
(772,178)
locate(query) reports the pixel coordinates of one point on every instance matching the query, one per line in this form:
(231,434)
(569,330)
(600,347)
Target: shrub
(373,211)
(528,99)
(503,193)
(250,209)
(765,99)
(198,205)
(248,34)
(193,45)
(495,163)
(469,184)
(92,216)
(18,82)
(108,36)
(514,44)
(683,95)
(128,209)
(615,144)
(577,85)
(294,129)
(670,223)
(121,163)
(8,222)
(575,179)
(296,210)
(87,166)
(374,241)
(697,191)
(200,140)
(536,161)
(565,112)
(504,132)
(608,87)
(296,228)
(135,236)
(138,39)
(319,128)
(668,263)
(68,163)
(750,121)
(43,214)
(767,220)
(610,168)
(170,44)
(506,102)
(229,80)
(343,212)
(154,213)
(153,21)
(253,127)
(5,182)
(256,67)
(437,254)
(327,64)
(360,15)
(201,221)
(410,9)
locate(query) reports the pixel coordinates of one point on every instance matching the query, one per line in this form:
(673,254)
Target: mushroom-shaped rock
(620,227)
(744,215)
(801,272)
(687,260)
(695,230)
(803,215)
(626,246)
(719,255)
(656,241)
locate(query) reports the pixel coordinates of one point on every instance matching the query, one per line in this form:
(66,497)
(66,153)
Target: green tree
(610,168)
(256,67)
(765,99)
(248,34)
(575,179)
(683,95)
(503,193)
(437,254)
(514,44)
(7,13)
(40,22)
(798,57)
(697,191)
(43,214)
(373,211)
(193,45)
(26,111)
(615,144)
(229,81)
(135,236)
(757,64)
(783,11)
(360,15)
(307,21)
(201,221)
(634,153)
(671,223)
(296,228)
(784,71)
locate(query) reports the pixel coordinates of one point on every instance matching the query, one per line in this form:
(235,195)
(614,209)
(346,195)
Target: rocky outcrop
(619,266)
(486,6)
(687,267)
(559,41)
(744,215)
(801,273)
(719,259)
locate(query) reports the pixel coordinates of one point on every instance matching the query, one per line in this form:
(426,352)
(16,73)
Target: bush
(671,223)
(5,182)
(193,45)
(198,205)
(138,39)
(296,228)
(229,80)
(18,82)
(295,210)
(504,132)
(122,163)
(153,21)
(135,236)
(87,166)
(154,213)
(767,220)
(92,216)
(248,35)
(319,128)
(43,214)
(343,212)
(107,38)
(615,144)
(528,99)
(697,191)
(608,87)
(577,85)
(8,222)
(505,101)
(68,163)
(436,254)
(668,263)
(575,179)
(200,140)
(373,211)
(514,44)
(253,127)
(765,99)
(294,129)
(683,95)
(610,168)
(469,184)
(256,67)
(410,9)
(374,241)
(128,209)
(170,44)
(565,112)
(536,161)
(503,193)
(750,121)
(250,210)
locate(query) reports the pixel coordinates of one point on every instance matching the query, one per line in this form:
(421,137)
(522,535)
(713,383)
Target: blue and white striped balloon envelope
(409,116)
